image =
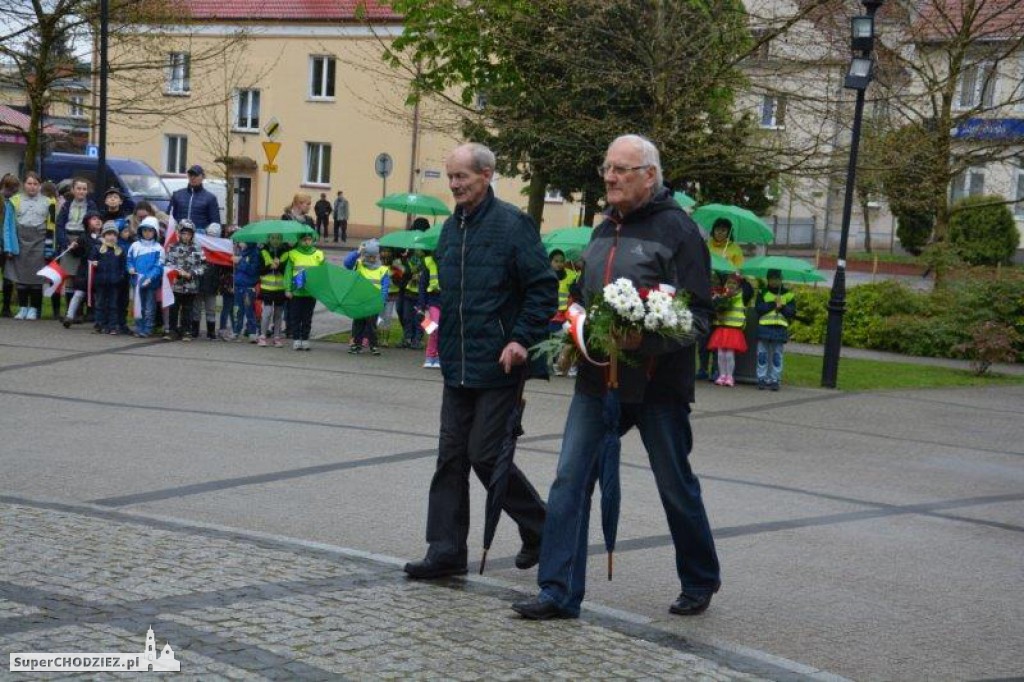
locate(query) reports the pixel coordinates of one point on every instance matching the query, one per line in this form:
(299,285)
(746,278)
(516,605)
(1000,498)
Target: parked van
(218,188)
(136,180)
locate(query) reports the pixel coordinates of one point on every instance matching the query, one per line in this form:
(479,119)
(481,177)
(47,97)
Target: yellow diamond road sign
(270,167)
(271,149)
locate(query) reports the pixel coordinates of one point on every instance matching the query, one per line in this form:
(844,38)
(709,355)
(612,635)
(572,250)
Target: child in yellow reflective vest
(776,307)
(728,338)
(366,261)
(303,257)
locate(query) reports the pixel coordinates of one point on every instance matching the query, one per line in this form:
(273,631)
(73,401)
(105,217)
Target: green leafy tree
(557,81)
(982,230)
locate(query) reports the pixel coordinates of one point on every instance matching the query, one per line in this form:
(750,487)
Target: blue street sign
(92,150)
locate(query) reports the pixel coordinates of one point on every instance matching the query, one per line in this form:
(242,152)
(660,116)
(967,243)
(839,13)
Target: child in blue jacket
(247,275)
(146,265)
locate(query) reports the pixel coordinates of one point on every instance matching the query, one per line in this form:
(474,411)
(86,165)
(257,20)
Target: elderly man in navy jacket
(195,202)
(497,294)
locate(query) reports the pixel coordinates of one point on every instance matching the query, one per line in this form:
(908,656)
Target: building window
(318,163)
(553,196)
(76,106)
(177,153)
(967,183)
(178,68)
(976,86)
(1018,208)
(247,110)
(321,77)
(773,111)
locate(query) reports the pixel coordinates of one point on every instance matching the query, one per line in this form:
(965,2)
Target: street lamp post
(862,34)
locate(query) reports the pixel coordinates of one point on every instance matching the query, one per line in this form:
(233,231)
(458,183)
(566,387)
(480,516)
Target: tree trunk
(538,189)
(865,211)
(229,210)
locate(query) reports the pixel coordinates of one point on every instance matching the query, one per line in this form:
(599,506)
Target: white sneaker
(32,314)
(435,363)
(427,363)
(573,371)
(306,346)
(22,312)
(296,345)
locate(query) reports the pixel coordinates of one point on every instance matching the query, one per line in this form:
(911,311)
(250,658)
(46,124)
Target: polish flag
(166,292)
(172,232)
(217,250)
(575,326)
(55,273)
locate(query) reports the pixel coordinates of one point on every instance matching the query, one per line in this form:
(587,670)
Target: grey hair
(649,155)
(481,156)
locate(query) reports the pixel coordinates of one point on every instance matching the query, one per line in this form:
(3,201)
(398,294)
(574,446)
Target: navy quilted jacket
(496,286)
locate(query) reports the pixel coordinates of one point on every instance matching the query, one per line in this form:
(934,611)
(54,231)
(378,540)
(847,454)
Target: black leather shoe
(528,556)
(428,569)
(690,605)
(539,609)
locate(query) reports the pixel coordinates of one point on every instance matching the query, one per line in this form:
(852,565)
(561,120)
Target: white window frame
(76,106)
(321,177)
(175,153)
(247,120)
(982,87)
(771,106)
(1018,93)
(1018,183)
(179,73)
(328,77)
(963,184)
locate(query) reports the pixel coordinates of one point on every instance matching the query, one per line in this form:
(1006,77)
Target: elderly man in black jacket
(497,294)
(648,239)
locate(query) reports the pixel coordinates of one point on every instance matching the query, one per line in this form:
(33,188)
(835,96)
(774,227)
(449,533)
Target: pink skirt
(728,338)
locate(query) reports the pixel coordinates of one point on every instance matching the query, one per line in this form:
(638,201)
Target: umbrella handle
(483,561)
(613,368)
(611,564)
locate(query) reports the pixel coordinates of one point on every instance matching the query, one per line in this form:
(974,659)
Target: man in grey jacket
(647,238)
(340,217)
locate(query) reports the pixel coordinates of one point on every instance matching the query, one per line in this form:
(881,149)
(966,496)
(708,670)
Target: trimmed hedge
(891,316)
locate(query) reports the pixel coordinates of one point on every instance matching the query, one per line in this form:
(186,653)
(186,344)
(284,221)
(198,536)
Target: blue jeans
(144,325)
(665,430)
(769,362)
(227,312)
(245,311)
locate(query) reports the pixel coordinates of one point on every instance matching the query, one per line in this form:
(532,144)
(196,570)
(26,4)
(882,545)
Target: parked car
(136,180)
(219,189)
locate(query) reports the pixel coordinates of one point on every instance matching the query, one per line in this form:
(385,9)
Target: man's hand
(513,354)
(287,294)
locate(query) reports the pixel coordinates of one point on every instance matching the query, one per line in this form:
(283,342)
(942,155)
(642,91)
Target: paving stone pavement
(74,578)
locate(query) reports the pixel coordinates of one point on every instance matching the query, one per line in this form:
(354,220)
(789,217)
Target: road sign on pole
(382,166)
(271,149)
(272,129)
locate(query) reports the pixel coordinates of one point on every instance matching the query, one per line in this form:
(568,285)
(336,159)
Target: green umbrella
(747,228)
(259,232)
(570,240)
(684,199)
(415,204)
(343,291)
(792,269)
(719,264)
(427,240)
(401,239)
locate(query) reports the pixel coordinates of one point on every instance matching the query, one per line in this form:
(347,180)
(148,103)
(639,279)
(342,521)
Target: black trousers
(364,328)
(302,316)
(342,226)
(473,425)
(181,314)
(321,225)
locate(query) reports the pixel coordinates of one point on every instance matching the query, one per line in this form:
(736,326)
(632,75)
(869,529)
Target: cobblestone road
(233,605)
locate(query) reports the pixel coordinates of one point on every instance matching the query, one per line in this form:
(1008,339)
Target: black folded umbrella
(497,487)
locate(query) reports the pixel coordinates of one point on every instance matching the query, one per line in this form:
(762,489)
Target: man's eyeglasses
(618,170)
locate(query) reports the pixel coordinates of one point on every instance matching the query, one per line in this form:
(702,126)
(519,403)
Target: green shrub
(811,315)
(983,231)
(914,230)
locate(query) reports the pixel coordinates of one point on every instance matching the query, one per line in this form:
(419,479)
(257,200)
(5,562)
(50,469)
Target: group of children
(774,307)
